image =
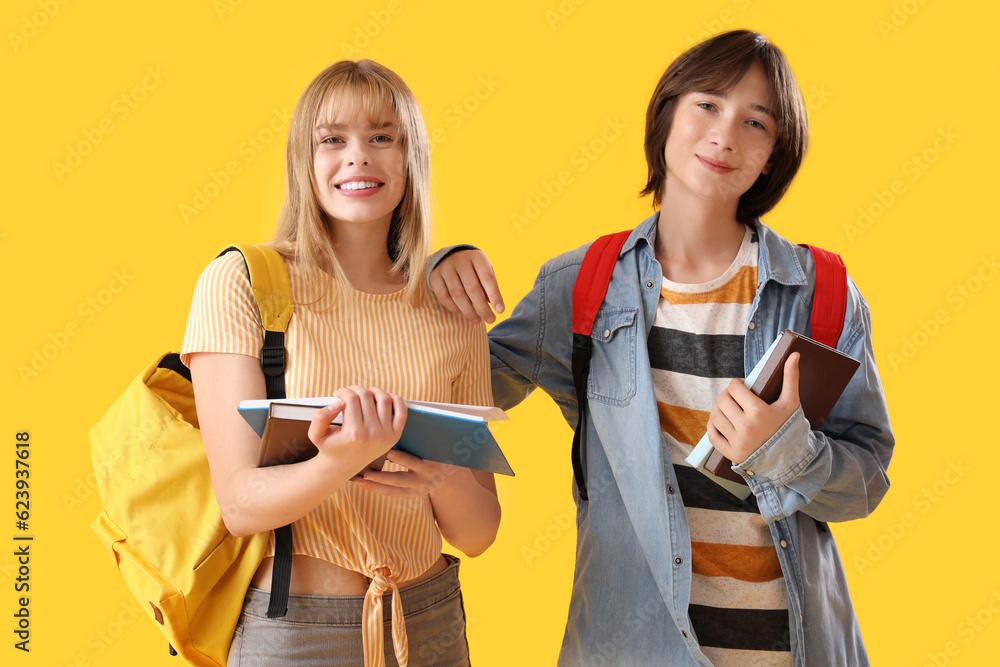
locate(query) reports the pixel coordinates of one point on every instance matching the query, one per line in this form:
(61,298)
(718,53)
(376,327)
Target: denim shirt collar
(777,260)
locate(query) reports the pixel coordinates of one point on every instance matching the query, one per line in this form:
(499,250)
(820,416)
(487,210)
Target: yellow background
(98,261)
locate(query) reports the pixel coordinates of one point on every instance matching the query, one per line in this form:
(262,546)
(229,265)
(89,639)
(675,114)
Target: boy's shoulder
(572,259)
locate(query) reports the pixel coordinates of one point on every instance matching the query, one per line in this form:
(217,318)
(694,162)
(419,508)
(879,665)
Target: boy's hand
(741,422)
(465,284)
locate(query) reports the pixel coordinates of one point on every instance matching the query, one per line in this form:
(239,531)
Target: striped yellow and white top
(372,340)
(738,606)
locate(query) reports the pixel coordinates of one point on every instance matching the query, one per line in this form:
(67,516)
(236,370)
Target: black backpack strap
(273,360)
(271,287)
(588,294)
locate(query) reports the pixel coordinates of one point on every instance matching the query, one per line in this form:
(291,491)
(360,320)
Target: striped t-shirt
(372,340)
(738,606)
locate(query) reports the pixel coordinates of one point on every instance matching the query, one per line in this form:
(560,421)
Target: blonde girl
(367,544)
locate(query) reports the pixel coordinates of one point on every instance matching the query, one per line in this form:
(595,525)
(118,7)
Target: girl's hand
(741,422)
(372,423)
(421,477)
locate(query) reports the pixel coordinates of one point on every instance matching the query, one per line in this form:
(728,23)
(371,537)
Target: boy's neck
(696,242)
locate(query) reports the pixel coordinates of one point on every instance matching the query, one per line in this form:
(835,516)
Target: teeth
(358,185)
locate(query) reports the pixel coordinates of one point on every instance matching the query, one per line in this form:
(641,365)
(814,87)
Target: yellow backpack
(161,522)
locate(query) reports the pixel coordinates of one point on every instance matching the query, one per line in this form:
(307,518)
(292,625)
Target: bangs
(359,95)
(726,72)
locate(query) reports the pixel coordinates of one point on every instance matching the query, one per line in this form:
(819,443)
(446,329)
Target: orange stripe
(741,288)
(682,424)
(753,564)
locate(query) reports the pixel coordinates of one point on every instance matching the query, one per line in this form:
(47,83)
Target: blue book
(442,432)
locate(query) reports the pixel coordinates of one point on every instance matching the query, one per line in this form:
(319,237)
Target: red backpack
(826,321)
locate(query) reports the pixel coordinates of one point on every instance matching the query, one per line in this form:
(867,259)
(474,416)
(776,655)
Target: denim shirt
(633,562)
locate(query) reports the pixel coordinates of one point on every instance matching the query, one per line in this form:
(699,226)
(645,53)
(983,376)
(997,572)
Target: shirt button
(649,285)
(670,489)
(607,333)
(752,326)
(684,634)
(784,544)
(678,561)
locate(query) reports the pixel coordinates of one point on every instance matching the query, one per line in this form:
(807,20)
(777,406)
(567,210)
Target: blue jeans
(325,631)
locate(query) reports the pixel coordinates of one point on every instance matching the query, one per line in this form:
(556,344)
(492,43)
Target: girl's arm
(255,499)
(464,501)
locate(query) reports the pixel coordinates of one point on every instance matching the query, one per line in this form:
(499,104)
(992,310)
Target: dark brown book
(823,375)
(286,440)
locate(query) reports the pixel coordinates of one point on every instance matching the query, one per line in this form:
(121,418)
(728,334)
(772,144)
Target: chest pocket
(612,364)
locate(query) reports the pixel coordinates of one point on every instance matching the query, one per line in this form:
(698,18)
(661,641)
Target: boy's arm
(837,474)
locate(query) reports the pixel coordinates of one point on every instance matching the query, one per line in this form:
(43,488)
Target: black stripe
(747,629)
(699,492)
(701,355)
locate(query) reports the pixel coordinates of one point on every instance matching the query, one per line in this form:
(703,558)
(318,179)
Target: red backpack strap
(588,294)
(829,296)
(593,279)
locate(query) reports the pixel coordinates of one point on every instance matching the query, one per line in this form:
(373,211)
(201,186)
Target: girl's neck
(696,242)
(365,260)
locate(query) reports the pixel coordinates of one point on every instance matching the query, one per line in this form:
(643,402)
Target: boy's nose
(723,135)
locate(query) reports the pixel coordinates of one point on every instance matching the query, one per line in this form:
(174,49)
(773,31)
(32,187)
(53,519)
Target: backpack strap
(588,294)
(272,290)
(829,302)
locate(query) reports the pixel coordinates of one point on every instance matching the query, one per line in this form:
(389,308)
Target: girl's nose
(357,155)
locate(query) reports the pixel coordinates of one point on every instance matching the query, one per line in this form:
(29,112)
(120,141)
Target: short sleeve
(224,315)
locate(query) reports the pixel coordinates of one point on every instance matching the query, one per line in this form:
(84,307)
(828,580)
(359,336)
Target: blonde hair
(303,230)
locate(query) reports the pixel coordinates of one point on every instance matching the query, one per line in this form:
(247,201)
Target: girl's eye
(330,140)
(382,139)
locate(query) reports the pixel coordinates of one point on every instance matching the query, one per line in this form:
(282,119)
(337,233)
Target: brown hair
(381,95)
(716,64)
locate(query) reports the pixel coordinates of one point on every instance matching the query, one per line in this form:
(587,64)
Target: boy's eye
(756,123)
(708,106)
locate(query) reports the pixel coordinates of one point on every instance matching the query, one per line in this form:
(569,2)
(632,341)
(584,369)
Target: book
(443,432)
(823,375)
